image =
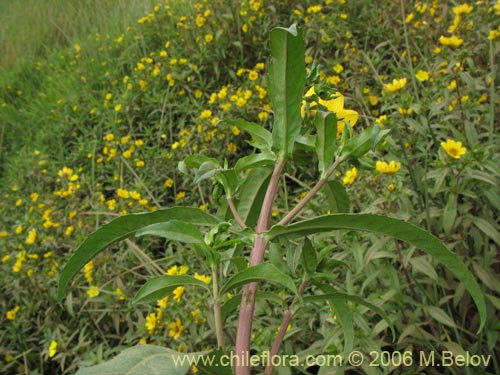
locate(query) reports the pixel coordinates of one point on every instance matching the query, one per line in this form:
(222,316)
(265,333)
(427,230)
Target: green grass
(31,28)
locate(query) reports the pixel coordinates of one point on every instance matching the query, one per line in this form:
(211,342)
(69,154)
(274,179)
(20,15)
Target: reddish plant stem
(247,305)
(235,213)
(310,194)
(284,326)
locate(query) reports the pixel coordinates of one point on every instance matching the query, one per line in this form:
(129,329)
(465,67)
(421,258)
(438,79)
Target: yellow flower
(180,195)
(175,329)
(205,279)
(253,75)
(387,168)
(178,292)
(462,9)
(422,75)
(335,105)
(4,233)
(338,68)
(120,294)
(454,148)
(206,114)
(493,34)
(381,120)
(350,176)
(151,323)
(53,348)
(162,303)
(176,270)
(93,291)
(169,182)
(88,270)
(30,240)
(231,147)
(396,85)
(11,314)
(452,41)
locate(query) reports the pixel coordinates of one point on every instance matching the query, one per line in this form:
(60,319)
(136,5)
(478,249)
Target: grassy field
(100,101)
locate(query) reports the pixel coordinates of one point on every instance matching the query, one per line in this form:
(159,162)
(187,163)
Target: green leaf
(395,228)
(309,257)
(251,194)
(121,228)
(258,132)
(337,296)
(207,170)
(254,160)
(211,364)
(175,230)
(450,214)
(144,359)
(286,81)
(361,144)
(438,314)
(488,229)
(326,139)
(160,286)
(260,272)
(337,197)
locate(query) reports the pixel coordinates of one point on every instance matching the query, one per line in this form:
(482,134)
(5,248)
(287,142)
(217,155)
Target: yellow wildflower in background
(452,41)
(350,176)
(176,270)
(462,9)
(395,85)
(93,292)
(175,329)
(11,314)
(205,279)
(30,240)
(151,323)
(387,168)
(53,348)
(422,75)
(453,148)
(88,270)
(178,292)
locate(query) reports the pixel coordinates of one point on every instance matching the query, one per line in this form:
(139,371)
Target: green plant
(250,189)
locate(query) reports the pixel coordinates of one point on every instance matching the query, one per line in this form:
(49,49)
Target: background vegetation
(98,104)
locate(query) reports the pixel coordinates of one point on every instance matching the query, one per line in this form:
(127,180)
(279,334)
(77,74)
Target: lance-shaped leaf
(338,200)
(254,161)
(326,139)
(251,194)
(260,135)
(399,229)
(175,230)
(260,272)
(344,314)
(161,286)
(286,81)
(121,228)
(144,359)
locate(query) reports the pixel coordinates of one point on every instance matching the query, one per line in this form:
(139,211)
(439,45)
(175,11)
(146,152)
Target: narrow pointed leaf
(254,161)
(326,139)
(175,230)
(121,228)
(399,229)
(338,200)
(286,81)
(232,304)
(161,286)
(344,312)
(207,170)
(144,359)
(251,194)
(261,272)
(309,256)
(258,132)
